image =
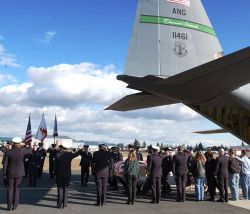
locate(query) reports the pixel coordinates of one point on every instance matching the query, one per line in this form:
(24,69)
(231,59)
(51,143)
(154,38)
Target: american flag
(28,135)
(184,2)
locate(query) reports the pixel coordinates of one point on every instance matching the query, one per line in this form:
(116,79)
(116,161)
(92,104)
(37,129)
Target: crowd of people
(223,172)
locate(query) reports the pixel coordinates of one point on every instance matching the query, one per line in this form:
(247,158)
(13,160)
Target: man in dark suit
(13,170)
(52,156)
(180,170)
(63,173)
(86,160)
(42,154)
(154,168)
(100,169)
(222,175)
(167,163)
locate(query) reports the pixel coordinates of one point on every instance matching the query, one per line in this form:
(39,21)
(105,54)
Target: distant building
(50,140)
(93,145)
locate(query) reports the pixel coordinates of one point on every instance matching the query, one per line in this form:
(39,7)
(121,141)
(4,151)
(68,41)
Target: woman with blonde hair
(199,175)
(131,170)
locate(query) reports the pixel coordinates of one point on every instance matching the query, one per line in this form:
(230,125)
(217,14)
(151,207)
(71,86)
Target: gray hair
(221,151)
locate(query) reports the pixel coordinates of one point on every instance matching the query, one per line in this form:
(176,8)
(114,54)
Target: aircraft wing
(208,84)
(215,131)
(208,81)
(138,101)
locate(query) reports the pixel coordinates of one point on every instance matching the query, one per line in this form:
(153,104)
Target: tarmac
(42,200)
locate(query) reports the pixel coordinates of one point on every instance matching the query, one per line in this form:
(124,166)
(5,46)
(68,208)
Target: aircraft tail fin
(170,37)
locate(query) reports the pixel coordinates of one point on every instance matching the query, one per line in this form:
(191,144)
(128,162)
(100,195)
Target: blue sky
(39,36)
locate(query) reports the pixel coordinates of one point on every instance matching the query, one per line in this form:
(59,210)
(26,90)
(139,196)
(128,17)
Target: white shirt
(245,169)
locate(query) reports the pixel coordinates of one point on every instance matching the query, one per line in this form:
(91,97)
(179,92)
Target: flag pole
(55,131)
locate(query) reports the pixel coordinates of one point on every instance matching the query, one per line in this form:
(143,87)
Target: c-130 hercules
(175,57)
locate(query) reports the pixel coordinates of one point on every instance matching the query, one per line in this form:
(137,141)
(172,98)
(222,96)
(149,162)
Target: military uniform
(180,170)
(167,163)
(26,165)
(116,158)
(100,169)
(52,156)
(155,172)
(14,171)
(63,174)
(86,160)
(42,154)
(34,164)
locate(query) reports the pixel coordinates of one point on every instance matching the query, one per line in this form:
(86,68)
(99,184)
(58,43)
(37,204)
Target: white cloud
(6,58)
(78,94)
(72,85)
(48,36)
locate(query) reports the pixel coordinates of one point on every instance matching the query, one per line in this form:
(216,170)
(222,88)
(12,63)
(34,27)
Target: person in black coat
(42,154)
(210,167)
(116,157)
(155,172)
(102,159)
(85,163)
(167,163)
(180,170)
(146,187)
(52,156)
(13,170)
(63,174)
(34,164)
(222,175)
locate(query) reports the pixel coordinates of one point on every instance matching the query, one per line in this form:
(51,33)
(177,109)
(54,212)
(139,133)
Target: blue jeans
(245,180)
(199,188)
(234,179)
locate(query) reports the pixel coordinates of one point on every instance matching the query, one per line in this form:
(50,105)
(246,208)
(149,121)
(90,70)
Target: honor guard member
(63,173)
(180,170)
(85,163)
(116,157)
(13,170)
(34,164)
(52,156)
(167,163)
(26,165)
(100,169)
(42,154)
(155,172)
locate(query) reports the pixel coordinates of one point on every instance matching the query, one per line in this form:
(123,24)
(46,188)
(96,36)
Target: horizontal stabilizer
(138,101)
(215,131)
